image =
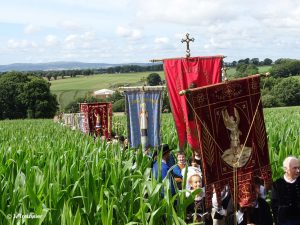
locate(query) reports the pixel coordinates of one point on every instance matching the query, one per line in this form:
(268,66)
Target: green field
(69,89)
(64,177)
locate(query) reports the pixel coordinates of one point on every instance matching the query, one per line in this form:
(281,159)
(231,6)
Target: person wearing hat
(164,165)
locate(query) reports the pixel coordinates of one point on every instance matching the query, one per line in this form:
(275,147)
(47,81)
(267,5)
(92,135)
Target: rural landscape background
(55,175)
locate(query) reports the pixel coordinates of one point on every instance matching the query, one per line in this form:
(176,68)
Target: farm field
(60,176)
(69,89)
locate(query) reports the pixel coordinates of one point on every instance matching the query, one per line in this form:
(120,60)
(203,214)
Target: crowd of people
(280,205)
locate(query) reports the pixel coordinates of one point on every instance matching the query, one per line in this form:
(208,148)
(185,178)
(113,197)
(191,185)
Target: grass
(69,89)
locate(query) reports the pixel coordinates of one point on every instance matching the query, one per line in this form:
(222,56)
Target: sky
(136,31)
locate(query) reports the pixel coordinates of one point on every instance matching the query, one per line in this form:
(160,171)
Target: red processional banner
(187,73)
(97,118)
(233,139)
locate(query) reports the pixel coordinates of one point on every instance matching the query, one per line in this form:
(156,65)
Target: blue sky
(125,31)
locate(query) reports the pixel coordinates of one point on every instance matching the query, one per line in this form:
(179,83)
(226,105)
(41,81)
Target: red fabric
(180,74)
(214,106)
(101,109)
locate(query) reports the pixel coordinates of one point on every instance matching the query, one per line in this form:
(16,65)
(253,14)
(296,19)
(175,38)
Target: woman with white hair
(285,199)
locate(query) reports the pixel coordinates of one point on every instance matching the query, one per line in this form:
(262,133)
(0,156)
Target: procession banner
(97,118)
(143,117)
(230,121)
(187,73)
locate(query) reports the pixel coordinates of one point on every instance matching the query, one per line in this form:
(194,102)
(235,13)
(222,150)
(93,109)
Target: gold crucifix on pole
(187,40)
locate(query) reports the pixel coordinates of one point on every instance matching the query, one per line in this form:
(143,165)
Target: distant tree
(255,61)
(287,91)
(243,70)
(21,95)
(119,106)
(39,101)
(267,61)
(166,102)
(73,107)
(115,97)
(153,79)
(270,101)
(11,87)
(286,68)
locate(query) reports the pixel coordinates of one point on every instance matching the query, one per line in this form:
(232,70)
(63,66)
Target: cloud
(161,40)
(70,25)
(31,29)
(21,44)
(51,40)
(133,34)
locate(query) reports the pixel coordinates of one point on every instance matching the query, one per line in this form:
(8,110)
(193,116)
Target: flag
(230,122)
(187,73)
(143,109)
(97,118)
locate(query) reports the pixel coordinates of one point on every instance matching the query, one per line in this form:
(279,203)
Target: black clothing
(285,201)
(198,206)
(259,216)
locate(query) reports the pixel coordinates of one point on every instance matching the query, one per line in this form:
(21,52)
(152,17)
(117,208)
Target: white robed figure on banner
(144,126)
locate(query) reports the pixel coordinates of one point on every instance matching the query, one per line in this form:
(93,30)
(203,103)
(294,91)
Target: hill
(60,66)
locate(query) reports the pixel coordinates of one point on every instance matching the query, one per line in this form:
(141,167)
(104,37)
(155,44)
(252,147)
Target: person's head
(195,181)
(291,167)
(181,158)
(121,138)
(165,151)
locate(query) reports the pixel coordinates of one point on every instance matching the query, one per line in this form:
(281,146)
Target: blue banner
(143,117)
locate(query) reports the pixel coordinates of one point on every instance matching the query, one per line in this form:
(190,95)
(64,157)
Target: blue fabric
(153,101)
(164,172)
(177,171)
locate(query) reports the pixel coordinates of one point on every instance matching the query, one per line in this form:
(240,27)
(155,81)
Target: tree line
(282,88)
(23,96)
(87,72)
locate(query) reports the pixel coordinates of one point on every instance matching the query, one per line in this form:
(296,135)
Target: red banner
(187,73)
(230,122)
(97,118)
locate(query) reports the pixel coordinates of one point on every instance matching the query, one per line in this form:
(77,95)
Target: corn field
(50,174)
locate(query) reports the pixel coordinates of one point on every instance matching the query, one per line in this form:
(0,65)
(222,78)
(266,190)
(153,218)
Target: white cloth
(239,216)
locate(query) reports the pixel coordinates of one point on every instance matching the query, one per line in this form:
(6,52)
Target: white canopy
(103,92)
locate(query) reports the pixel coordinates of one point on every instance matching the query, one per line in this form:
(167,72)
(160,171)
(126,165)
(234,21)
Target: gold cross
(187,40)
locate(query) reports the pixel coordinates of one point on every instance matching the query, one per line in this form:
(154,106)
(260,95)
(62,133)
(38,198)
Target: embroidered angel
(236,155)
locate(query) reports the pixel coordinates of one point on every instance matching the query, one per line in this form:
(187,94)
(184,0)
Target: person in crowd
(259,213)
(178,168)
(194,168)
(285,196)
(196,211)
(164,166)
(219,211)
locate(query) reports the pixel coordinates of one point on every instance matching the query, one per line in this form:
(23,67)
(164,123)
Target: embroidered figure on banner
(236,155)
(144,125)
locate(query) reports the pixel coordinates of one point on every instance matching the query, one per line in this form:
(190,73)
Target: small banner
(230,122)
(97,118)
(143,109)
(187,73)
